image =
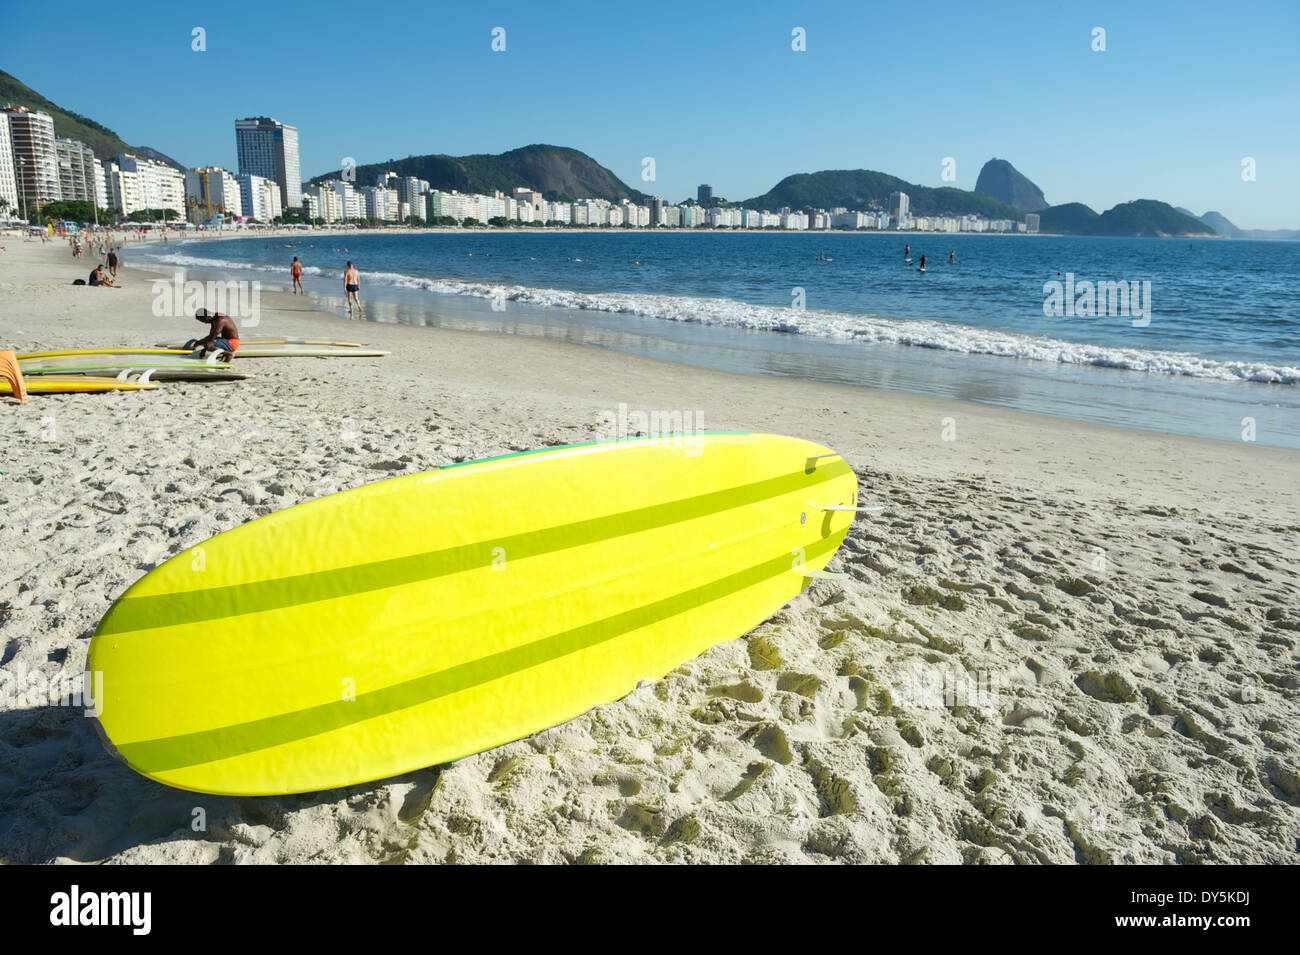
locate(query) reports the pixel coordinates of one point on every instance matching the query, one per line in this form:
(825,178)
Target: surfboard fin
(13,374)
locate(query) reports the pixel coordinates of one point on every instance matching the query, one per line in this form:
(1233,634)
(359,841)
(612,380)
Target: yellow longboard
(52,384)
(276,341)
(424,618)
(32,355)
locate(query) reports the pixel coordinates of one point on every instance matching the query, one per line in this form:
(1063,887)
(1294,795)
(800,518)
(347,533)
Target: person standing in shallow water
(296,270)
(352,285)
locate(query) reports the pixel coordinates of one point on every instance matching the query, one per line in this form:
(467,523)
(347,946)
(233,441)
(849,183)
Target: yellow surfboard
(52,384)
(425,618)
(33,355)
(276,341)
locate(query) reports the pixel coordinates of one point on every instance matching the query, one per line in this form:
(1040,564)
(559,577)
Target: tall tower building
(36,165)
(269,149)
(8,181)
(705,195)
(898,207)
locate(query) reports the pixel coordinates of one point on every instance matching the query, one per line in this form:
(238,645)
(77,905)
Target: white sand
(1125,604)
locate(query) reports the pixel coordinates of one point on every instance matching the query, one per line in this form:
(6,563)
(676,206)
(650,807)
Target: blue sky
(713,91)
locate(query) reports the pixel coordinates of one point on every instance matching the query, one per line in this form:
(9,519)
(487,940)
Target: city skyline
(1169,110)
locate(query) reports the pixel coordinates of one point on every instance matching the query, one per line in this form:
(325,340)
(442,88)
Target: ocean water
(1209,344)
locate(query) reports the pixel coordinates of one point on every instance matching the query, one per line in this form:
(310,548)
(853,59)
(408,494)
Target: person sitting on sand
(100,277)
(224,337)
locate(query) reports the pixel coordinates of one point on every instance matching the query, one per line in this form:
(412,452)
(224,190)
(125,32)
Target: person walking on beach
(112,262)
(296,270)
(352,284)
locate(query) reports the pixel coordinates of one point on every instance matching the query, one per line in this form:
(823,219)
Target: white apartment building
(354,204)
(453,204)
(101,186)
(376,198)
(261,197)
(411,190)
(76,169)
(8,181)
(329,203)
(134,184)
(36,164)
(849,220)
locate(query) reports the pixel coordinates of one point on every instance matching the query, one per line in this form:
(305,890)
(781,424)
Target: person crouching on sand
(352,285)
(223,338)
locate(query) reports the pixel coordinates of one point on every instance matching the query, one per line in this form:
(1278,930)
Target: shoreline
(1131,595)
(1165,390)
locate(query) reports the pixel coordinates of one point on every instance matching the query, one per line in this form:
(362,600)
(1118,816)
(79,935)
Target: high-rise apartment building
(269,149)
(898,207)
(8,181)
(36,164)
(77,165)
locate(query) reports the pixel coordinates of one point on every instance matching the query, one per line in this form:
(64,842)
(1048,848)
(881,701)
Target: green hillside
(867,188)
(1069,217)
(558,172)
(1147,217)
(70,125)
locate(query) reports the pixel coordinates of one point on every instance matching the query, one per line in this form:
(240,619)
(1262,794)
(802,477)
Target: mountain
(105,143)
(1147,217)
(865,188)
(1220,224)
(1001,180)
(1069,217)
(1142,217)
(559,173)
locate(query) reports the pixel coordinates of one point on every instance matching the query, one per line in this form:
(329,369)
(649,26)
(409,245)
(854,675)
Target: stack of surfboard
(14,380)
(126,365)
(135,369)
(295,348)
